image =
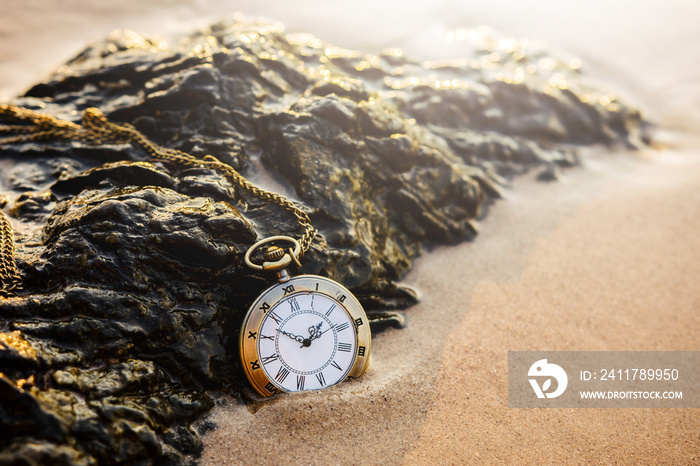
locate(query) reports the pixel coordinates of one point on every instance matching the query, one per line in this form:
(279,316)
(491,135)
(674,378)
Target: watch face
(304,334)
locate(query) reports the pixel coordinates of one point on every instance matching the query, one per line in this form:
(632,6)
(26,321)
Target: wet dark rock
(134,287)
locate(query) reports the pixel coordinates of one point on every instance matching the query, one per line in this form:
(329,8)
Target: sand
(606,259)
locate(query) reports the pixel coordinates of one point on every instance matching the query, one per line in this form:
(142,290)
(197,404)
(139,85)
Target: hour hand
(297,338)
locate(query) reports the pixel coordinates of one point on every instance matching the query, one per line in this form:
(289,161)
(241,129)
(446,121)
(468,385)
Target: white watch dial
(307,341)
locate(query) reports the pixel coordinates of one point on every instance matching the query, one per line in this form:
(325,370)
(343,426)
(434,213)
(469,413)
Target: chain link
(96,129)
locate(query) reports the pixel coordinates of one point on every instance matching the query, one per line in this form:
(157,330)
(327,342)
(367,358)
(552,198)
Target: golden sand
(606,260)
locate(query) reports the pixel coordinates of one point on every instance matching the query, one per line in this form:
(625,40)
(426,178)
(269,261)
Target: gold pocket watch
(303,333)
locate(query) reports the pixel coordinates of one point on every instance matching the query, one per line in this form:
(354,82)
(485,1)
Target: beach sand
(605,259)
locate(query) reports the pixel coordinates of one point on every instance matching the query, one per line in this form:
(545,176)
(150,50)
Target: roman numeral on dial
(282,374)
(321,379)
(344,347)
(342,326)
(267,359)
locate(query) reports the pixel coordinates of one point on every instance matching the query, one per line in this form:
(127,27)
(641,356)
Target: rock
(134,287)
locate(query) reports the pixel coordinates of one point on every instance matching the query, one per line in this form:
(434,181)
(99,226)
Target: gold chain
(96,129)
(9,276)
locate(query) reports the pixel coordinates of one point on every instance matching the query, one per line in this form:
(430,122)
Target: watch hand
(319,334)
(315,331)
(297,338)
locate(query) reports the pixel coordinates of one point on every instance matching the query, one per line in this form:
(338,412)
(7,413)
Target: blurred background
(645,49)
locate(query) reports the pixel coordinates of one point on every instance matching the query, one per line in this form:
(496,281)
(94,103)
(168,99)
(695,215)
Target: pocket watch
(303,333)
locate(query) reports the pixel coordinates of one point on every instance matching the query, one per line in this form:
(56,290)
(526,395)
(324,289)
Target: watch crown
(274,253)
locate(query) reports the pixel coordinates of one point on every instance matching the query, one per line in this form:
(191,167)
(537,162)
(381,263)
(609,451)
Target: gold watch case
(283,349)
